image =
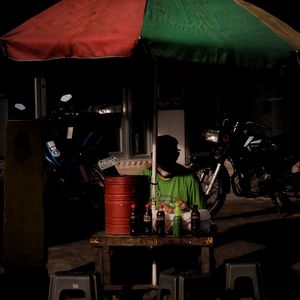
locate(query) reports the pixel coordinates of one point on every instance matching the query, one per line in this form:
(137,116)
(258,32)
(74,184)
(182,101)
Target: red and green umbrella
(201,31)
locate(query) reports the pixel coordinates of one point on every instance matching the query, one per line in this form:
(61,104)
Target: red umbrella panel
(78,29)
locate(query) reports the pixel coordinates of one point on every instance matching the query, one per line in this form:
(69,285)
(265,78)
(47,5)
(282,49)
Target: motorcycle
(76,163)
(246,160)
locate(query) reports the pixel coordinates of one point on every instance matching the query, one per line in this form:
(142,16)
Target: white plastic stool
(184,285)
(167,287)
(194,285)
(84,282)
(252,271)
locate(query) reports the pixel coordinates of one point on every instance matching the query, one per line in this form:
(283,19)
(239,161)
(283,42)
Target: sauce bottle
(195,221)
(160,221)
(133,220)
(147,220)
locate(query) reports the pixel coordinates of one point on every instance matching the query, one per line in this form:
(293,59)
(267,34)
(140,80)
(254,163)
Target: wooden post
(23,225)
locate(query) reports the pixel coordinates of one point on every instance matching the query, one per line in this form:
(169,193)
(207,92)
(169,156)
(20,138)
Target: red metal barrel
(119,193)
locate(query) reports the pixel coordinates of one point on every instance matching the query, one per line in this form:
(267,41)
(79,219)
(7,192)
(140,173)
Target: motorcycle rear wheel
(289,194)
(216,198)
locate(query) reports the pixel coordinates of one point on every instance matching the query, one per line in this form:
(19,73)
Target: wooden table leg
(205,259)
(106,272)
(99,262)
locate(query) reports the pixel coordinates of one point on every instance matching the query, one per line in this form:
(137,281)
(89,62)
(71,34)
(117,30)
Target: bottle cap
(132,205)
(177,209)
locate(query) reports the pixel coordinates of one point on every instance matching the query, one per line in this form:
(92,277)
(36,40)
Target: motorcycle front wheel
(217,195)
(289,191)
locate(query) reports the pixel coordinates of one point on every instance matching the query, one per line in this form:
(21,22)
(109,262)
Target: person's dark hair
(167,150)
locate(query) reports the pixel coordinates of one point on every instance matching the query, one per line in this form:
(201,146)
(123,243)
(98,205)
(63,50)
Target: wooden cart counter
(104,241)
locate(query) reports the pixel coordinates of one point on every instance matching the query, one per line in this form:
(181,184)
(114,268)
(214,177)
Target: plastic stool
(251,271)
(167,285)
(184,285)
(84,282)
(193,285)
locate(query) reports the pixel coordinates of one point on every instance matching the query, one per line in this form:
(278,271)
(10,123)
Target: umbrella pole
(153,178)
(154,137)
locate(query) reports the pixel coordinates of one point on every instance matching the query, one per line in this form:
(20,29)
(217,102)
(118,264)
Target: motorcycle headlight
(296,167)
(211,135)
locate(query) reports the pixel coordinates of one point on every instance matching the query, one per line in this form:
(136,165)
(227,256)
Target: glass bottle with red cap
(133,220)
(147,220)
(160,221)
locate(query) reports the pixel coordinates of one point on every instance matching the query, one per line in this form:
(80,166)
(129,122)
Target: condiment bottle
(195,221)
(133,220)
(177,222)
(147,220)
(160,221)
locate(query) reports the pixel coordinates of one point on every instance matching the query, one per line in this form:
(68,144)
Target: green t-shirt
(184,187)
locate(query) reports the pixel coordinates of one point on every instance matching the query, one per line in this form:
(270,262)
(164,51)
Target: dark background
(286,10)
(15,12)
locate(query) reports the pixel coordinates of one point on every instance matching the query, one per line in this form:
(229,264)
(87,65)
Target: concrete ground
(256,230)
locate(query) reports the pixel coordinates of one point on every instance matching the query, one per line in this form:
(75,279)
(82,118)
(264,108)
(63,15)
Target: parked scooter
(246,161)
(76,163)
(76,160)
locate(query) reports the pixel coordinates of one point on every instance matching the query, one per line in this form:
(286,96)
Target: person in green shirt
(174,182)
